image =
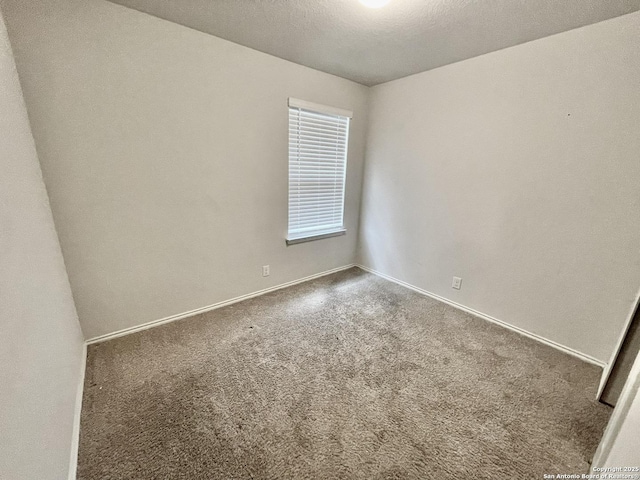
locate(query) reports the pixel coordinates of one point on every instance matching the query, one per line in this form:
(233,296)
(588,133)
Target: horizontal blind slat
(319,144)
(302,113)
(310,130)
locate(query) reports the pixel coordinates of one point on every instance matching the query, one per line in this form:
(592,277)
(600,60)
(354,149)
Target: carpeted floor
(348,376)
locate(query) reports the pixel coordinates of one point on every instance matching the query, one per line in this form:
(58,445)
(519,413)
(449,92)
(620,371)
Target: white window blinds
(318,138)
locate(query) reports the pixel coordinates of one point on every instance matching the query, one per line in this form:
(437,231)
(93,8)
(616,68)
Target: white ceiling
(372,46)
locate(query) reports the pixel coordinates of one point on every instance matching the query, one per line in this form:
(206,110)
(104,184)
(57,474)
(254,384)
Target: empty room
(319,239)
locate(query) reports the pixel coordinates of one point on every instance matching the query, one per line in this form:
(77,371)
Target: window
(318,137)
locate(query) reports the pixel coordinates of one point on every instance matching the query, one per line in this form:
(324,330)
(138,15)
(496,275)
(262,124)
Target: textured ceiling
(372,46)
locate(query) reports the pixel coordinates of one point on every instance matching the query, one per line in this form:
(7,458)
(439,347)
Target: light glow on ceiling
(374,3)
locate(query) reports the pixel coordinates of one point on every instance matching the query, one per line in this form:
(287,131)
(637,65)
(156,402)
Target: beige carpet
(348,376)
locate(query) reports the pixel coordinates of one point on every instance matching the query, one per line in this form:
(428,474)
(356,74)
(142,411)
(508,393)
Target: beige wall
(164,151)
(518,171)
(40,339)
(164,155)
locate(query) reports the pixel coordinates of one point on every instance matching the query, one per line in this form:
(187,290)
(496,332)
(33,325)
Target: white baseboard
(75,439)
(172,318)
(551,343)
(191,313)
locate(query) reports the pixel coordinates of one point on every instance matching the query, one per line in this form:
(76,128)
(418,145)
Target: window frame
(318,109)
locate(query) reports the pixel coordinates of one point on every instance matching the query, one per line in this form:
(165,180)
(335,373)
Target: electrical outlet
(457,283)
(265,270)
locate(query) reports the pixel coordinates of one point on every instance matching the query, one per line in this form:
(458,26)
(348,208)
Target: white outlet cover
(457,283)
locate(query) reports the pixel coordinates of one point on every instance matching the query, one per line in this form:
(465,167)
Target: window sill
(316,236)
